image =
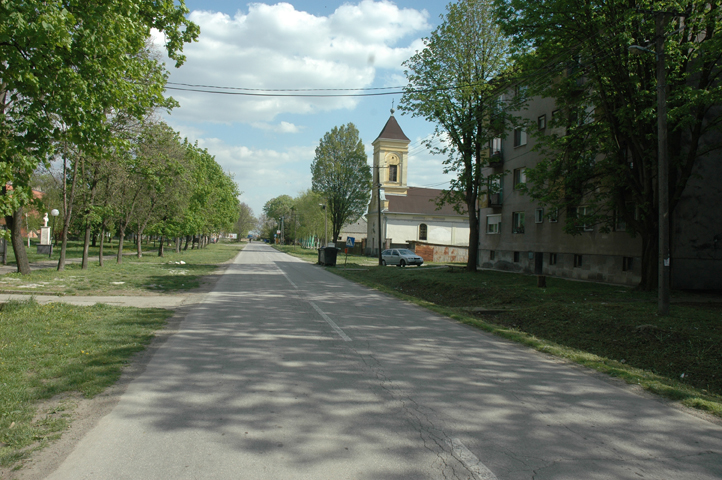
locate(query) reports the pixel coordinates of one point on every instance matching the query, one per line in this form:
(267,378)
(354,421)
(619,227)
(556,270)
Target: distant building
(357,230)
(408,214)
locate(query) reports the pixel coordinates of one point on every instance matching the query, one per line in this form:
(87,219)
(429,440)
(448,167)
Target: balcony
(496,159)
(495,200)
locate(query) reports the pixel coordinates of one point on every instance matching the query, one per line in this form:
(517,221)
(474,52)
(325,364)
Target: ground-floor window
(577,260)
(552,259)
(423,231)
(627,263)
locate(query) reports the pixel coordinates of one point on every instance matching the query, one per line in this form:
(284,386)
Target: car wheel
(402,263)
(383,262)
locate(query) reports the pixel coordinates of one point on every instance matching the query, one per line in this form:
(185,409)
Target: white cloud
(279,47)
(262,174)
(283,127)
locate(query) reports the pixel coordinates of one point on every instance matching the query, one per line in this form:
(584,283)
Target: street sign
(350,242)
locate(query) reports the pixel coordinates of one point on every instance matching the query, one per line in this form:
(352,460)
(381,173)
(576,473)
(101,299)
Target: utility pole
(664,254)
(662,170)
(378,198)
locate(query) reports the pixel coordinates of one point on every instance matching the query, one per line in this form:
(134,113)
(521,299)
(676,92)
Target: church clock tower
(391,158)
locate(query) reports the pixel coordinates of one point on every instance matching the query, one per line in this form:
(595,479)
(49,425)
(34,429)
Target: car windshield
(406,252)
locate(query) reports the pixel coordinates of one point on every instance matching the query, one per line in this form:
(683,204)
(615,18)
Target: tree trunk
(139,247)
(188,237)
(160,247)
(473,238)
(86,246)
(14,223)
(102,243)
(649,280)
(121,239)
(67,211)
(178,241)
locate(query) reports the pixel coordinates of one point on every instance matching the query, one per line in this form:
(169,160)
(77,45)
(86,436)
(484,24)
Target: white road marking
(345,337)
(288,278)
(470,460)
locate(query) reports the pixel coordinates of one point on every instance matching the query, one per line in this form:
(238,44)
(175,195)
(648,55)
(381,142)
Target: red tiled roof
(420,201)
(392,131)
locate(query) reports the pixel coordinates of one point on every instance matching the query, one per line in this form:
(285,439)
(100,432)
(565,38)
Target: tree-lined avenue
(288,371)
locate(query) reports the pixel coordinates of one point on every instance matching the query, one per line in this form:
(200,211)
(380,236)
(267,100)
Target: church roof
(392,131)
(419,201)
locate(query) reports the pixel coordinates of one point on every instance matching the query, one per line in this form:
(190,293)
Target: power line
(286,89)
(254,94)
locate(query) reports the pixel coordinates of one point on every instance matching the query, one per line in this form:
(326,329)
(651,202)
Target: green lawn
(134,276)
(611,328)
(53,349)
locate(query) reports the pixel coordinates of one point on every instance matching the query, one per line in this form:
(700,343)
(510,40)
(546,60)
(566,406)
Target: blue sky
(268,142)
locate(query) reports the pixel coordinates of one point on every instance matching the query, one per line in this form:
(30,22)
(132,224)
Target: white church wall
(440,232)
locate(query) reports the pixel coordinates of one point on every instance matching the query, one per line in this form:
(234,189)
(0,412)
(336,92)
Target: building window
(517,221)
(519,137)
(539,215)
(584,211)
(577,261)
(619,224)
(495,145)
(552,259)
(519,177)
(541,122)
(517,256)
(492,254)
(554,215)
(627,263)
(580,213)
(493,224)
(393,173)
(423,229)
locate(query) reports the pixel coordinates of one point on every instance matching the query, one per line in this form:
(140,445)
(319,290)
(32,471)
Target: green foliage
(246,221)
(66,65)
(454,82)
(342,176)
(603,152)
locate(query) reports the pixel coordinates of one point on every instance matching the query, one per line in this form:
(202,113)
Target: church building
(408,214)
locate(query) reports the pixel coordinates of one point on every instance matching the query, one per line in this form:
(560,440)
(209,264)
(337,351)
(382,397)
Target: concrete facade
(542,247)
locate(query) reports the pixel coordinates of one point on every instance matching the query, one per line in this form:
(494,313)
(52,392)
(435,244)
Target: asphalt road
(286,371)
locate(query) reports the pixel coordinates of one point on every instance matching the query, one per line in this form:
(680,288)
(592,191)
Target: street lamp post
(325,222)
(54,212)
(663,257)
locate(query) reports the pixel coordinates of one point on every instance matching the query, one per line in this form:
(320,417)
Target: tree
(606,158)
(246,221)
(65,66)
(309,217)
(275,209)
(342,175)
(454,82)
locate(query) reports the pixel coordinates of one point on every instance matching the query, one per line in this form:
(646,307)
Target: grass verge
(47,351)
(612,329)
(134,276)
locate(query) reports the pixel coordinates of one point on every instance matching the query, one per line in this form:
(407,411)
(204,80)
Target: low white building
(408,214)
